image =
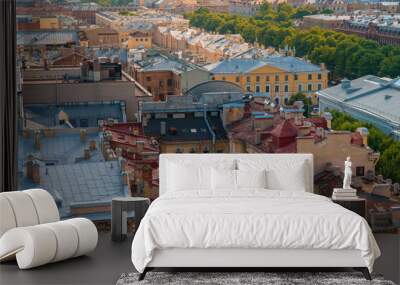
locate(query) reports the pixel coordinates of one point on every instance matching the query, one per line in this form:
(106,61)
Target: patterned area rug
(243,278)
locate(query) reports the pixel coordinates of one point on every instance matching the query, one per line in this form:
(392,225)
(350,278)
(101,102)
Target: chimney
(82,135)
(48,133)
(29,165)
(92,145)
(328,117)
(364,133)
(36,172)
(258,136)
(163,128)
(140,146)
(86,153)
(37,139)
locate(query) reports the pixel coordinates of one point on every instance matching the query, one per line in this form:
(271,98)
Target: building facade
(163,75)
(274,77)
(139,39)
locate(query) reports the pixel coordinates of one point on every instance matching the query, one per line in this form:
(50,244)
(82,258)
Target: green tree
(389,162)
(390,66)
(345,55)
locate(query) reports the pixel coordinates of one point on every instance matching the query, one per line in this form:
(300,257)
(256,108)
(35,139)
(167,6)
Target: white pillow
(251,178)
(223,179)
(292,177)
(183,177)
(282,174)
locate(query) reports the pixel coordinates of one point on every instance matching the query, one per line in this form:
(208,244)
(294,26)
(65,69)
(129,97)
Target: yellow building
(274,77)
(49,23)
(139,39)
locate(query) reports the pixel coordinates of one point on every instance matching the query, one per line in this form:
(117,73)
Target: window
(223,78)
(169,82)
(267,87)
(276,89)
(277,77)
(286,77)
(248,88)
(319,86)
(296,77)
(258,88)
(309,87)
(237,79)
(213,78)
(286,100)
(84,123)
(192,150)
(319,76)
(148,78)
(286,88)
(309,76)
(161,83)
(146,40)
(248,79)
(178,150)
(360,171)
(257,78)
(267,78)
(300,87)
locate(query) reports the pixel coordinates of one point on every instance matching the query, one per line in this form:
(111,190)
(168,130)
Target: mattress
(250,219)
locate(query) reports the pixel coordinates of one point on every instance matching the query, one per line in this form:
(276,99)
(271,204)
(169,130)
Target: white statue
(347,174)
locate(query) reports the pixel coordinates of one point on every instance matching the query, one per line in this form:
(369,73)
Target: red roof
(285,129)
(319,122)
(127,128)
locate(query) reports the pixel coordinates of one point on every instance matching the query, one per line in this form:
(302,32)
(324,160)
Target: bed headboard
(210,159)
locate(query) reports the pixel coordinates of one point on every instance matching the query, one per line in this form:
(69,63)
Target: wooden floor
(111,259)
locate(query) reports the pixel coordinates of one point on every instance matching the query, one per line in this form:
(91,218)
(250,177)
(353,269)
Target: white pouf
(31,232)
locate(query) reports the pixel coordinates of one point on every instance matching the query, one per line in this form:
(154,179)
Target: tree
(345,55)
(390,66)
(389,162)
(324,54)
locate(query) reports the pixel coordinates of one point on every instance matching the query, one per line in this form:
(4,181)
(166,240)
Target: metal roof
(244,65)
(369,93)
(66,175)
(56,37)
(186,129)
(80,115)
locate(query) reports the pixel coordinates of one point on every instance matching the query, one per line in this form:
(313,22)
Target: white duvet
(250,219)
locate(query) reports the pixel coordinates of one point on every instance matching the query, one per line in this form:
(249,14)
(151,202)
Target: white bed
(248,227)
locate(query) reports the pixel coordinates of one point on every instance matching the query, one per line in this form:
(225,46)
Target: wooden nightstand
(357,205)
